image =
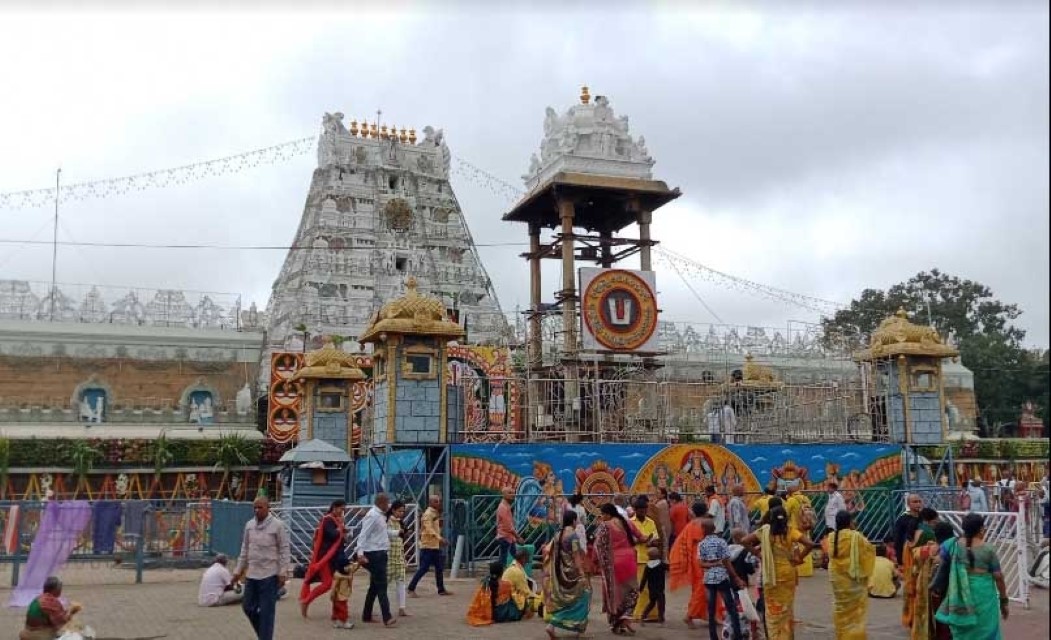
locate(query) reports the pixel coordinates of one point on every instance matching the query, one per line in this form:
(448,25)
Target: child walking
(654,577)
(342,587)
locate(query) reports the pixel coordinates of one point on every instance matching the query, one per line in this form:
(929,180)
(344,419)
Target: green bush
(120,453)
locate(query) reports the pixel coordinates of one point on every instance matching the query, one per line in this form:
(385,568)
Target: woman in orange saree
(686,567)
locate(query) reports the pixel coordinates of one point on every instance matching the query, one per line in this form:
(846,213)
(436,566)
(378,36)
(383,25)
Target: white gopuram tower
(380,209)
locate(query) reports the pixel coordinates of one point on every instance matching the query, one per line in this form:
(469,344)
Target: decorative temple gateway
(380,208)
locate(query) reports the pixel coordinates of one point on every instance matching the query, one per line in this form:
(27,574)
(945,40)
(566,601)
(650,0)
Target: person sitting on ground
(494,601)
(885,579)
(47,616)
(217,585)
(525,598)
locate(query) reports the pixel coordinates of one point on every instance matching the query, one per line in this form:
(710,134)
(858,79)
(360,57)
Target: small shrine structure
(414,408)
(328,381)
(902,376)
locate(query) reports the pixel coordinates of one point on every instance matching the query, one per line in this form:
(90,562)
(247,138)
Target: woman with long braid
(778,551)
(975,581)
(851,559)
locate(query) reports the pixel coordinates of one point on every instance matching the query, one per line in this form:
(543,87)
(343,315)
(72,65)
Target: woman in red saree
(615,541)
(686,567)
(327,556)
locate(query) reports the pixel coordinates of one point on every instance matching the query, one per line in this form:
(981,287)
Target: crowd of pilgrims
(743,577)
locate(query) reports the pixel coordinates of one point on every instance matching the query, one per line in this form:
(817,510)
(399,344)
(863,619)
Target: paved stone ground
(165,607)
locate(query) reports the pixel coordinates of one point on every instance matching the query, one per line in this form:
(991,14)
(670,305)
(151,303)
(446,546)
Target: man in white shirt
(217,585)
(373,544)
(1006,482)
(836,503)
(716,510)
(728,422)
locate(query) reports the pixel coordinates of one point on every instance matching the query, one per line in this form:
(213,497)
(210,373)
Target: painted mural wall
(604,469)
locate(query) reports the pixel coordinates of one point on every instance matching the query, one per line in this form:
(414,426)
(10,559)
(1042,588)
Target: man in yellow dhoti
(650,538)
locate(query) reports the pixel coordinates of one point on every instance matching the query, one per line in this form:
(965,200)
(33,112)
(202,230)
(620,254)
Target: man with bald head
(507,537)
(263,564)
(906,524)
(431,542)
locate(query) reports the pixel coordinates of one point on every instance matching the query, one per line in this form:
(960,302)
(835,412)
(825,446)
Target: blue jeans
(429,558)
(726,590)
(260,601)
(505,549)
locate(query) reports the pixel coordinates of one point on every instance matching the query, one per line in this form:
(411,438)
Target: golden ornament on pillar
(353,127)
(373,132)
(403,136)
(585,97)
(412,136)
(383,132)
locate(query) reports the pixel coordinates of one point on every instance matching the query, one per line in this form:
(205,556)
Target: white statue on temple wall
(92,413)
(207,414)
(534,166)
(195,412)
(244,400)
(333,123)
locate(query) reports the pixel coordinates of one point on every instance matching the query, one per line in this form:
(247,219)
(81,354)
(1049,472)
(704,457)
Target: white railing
(1006,532)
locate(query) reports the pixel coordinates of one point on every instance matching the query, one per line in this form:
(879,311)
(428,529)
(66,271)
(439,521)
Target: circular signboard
(620,310)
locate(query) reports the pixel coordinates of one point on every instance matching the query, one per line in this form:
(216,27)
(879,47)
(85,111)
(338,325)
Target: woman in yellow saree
(851,558)
(779,558)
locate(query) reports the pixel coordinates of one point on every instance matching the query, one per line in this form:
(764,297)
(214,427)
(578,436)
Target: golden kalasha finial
(372,131)
(412,136)
(353,127)
(403,136)
(585,97)
(383,132)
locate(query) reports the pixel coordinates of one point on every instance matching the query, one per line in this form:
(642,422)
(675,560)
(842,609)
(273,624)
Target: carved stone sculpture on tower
(589,138)
(352,209)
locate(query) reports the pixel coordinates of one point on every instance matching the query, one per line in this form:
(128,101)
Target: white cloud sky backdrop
(821,151)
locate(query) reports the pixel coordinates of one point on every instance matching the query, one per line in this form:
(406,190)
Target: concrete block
(405,407)
(434,394)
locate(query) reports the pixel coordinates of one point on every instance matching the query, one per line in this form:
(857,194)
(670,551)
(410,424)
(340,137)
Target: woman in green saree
(975,581)
(567,589)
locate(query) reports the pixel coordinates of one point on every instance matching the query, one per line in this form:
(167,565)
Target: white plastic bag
(746,607)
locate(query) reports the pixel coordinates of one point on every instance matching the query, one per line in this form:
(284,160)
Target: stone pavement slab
(165,607)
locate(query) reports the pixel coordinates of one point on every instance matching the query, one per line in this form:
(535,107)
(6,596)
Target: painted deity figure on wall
(662,478)
(497,405)
(696,474)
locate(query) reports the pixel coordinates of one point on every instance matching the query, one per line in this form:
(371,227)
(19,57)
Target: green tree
(1005,374)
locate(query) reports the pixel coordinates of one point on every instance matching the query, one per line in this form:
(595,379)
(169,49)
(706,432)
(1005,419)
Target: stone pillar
(645,257)
(569,276)
(535,349)
(571,397)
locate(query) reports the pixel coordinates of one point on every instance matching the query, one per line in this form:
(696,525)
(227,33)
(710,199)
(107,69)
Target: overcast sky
(821,151)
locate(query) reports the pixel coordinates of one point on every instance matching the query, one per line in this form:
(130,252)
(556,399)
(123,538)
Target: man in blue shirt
(718,573)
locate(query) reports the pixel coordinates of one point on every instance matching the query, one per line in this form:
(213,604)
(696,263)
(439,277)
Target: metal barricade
(1005,531)
(302,523)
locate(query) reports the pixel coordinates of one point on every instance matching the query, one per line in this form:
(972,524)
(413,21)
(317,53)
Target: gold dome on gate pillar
(896,336)
(412,314)
(330,362)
